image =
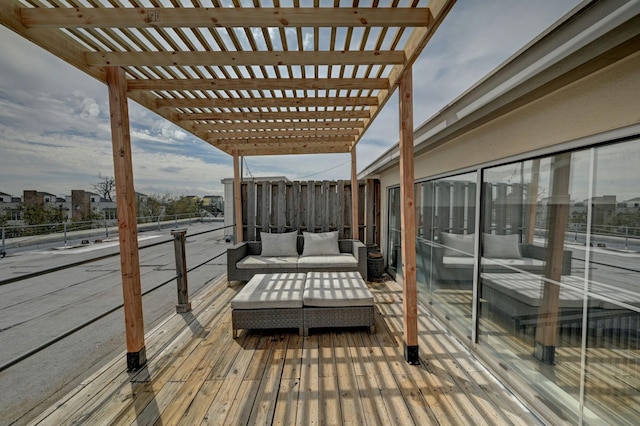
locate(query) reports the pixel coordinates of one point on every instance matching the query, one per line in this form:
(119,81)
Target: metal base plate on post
(182,308)
(136,360)
(411,354)
(546,354)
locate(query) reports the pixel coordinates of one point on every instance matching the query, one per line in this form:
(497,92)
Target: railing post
(65,235)
(626,238)
(106,228)
(3,251)
(181,269)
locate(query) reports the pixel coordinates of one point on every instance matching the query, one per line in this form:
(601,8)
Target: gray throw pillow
(279,244)
(457,245)
(501,246)
(320,244)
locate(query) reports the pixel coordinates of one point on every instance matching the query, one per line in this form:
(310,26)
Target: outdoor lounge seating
(289,253)
(502,254)
(303,301)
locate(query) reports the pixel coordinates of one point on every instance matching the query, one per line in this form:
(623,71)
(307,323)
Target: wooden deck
(197,374)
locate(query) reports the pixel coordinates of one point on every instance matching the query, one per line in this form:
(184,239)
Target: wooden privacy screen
(312,206)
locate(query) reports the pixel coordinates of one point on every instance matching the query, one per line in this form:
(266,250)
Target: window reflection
(559,273)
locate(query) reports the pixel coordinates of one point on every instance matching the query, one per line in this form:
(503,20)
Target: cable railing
(74,232)
(96,318)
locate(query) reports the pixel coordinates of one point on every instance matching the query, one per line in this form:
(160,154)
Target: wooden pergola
(249,78)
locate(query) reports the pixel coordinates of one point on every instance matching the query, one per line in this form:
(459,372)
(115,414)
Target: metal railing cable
(93,259)
(68,333)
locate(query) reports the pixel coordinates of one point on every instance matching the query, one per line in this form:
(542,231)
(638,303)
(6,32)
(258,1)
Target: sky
(55,131)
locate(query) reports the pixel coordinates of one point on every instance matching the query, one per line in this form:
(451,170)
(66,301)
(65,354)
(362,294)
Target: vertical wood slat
(237,198)
(427,210)
(251,210)
(471,208)
(457,210)
(295,199)
(332,203)
(532,201)
(264,207)
(259,219)
(282,208)
(378,210)
(304,204)
(487,207)
(408,219)
(515,208)
(273,213)
(501,208)
(243,201)
(355,231)
(340,208)
(326,215)
(127,225)
(369,220)
(444,209)
(346,214)
(361,210)
(311,206)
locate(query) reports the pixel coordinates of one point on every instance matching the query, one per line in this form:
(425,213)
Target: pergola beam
(278,17)
(262,58)
(285,134)
(270,115)
(260,84)
(285,149)
(281,141)
(278,125)
(284,102)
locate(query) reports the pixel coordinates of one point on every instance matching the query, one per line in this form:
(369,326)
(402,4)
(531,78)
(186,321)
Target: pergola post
(237,199)
(355,226)
(408,219)
(547,330)
(127,225)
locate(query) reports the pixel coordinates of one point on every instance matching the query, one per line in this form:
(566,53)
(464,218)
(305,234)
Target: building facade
(543,289)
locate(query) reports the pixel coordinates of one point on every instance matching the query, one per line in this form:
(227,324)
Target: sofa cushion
(264,262)
(338,261)
(501,246)
(279,244)
(320,244)
(457,244)
(268,291)
(336,289)
(491,265)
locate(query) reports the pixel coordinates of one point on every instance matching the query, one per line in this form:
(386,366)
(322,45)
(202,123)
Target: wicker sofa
(244,260)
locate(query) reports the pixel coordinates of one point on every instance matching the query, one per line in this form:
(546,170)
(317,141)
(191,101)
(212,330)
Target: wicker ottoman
(269,301)
(337,299)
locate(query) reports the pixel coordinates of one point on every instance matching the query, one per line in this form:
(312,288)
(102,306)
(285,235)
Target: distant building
(80,204)
(12,206)
(604,209)
(36,198)
(5,198)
